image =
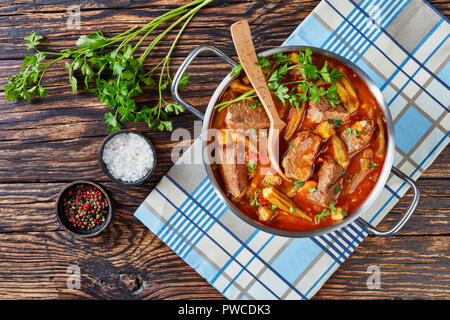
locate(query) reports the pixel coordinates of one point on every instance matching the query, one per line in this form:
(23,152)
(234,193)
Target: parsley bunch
(276,73)
(111,69)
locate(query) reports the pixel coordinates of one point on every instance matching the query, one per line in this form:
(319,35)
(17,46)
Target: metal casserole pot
(355,216)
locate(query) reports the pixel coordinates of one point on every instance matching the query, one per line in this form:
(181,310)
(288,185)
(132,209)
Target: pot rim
(370,200)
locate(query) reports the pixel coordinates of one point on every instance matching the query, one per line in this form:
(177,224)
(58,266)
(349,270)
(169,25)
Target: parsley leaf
(255,104)
(111,120)
(325,213)
(281,58)
(254,201)
(237,69)
(332,207)
(183,81)
(333,96)
(330,76)
(335,122)
(251,167)
(33,40)
(298,184)
(263,62)
(337,189)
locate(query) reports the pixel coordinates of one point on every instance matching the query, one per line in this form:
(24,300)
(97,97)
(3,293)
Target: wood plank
(35,266)
(28,207)
(58,153)
(416,271)
(54,141)
(272,25)
(18,7)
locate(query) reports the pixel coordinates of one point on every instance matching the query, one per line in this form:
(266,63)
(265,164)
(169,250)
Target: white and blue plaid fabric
(403,46)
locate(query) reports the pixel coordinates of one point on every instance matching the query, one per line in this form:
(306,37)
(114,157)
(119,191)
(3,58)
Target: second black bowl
(105,168)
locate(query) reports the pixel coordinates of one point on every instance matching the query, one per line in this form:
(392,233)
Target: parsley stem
(173,25)
(246,95)
(152,27)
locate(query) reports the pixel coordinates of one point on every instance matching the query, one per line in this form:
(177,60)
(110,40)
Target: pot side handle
(364,224)
(182,69)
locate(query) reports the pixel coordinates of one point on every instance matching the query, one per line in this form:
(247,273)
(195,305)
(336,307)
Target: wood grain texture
(48,143)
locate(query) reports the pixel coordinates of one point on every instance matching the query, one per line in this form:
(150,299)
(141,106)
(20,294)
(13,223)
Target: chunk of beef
(298,161)
(323,111)
(329,180)
(241,116)
(233,169)
(357,136)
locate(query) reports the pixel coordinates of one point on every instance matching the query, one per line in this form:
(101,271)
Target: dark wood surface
(51,142)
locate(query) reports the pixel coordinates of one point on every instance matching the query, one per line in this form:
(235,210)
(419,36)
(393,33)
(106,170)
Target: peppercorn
(84,206)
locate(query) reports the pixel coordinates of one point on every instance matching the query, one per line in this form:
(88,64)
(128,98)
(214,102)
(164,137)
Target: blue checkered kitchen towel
(403,46)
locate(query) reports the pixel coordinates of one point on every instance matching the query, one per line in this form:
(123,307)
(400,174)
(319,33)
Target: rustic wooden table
(54,141)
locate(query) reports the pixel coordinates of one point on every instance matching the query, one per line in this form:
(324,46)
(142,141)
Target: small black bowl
(105,168)
(80,232)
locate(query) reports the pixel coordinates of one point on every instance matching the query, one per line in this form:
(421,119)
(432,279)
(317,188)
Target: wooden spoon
(242,38)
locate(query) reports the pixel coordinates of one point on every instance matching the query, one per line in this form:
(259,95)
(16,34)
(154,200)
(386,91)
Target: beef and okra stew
(331,151)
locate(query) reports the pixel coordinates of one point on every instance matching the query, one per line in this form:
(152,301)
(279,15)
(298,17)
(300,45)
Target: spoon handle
(242,38)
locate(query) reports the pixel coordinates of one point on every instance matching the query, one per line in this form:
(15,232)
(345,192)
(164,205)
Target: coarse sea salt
(128,157)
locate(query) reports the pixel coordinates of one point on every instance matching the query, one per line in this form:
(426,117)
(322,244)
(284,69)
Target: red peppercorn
(90,203)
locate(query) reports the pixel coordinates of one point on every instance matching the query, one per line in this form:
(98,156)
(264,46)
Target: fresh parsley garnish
(251,166)
(237,69)
(255,104)
(278,66)
(298,184)
(291,146)
(254,201)
(263,62)
(332,207)
(325,213)
(281,58)
(337,189)
(330,76)
(373,165)
(312,189)
(335,122)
